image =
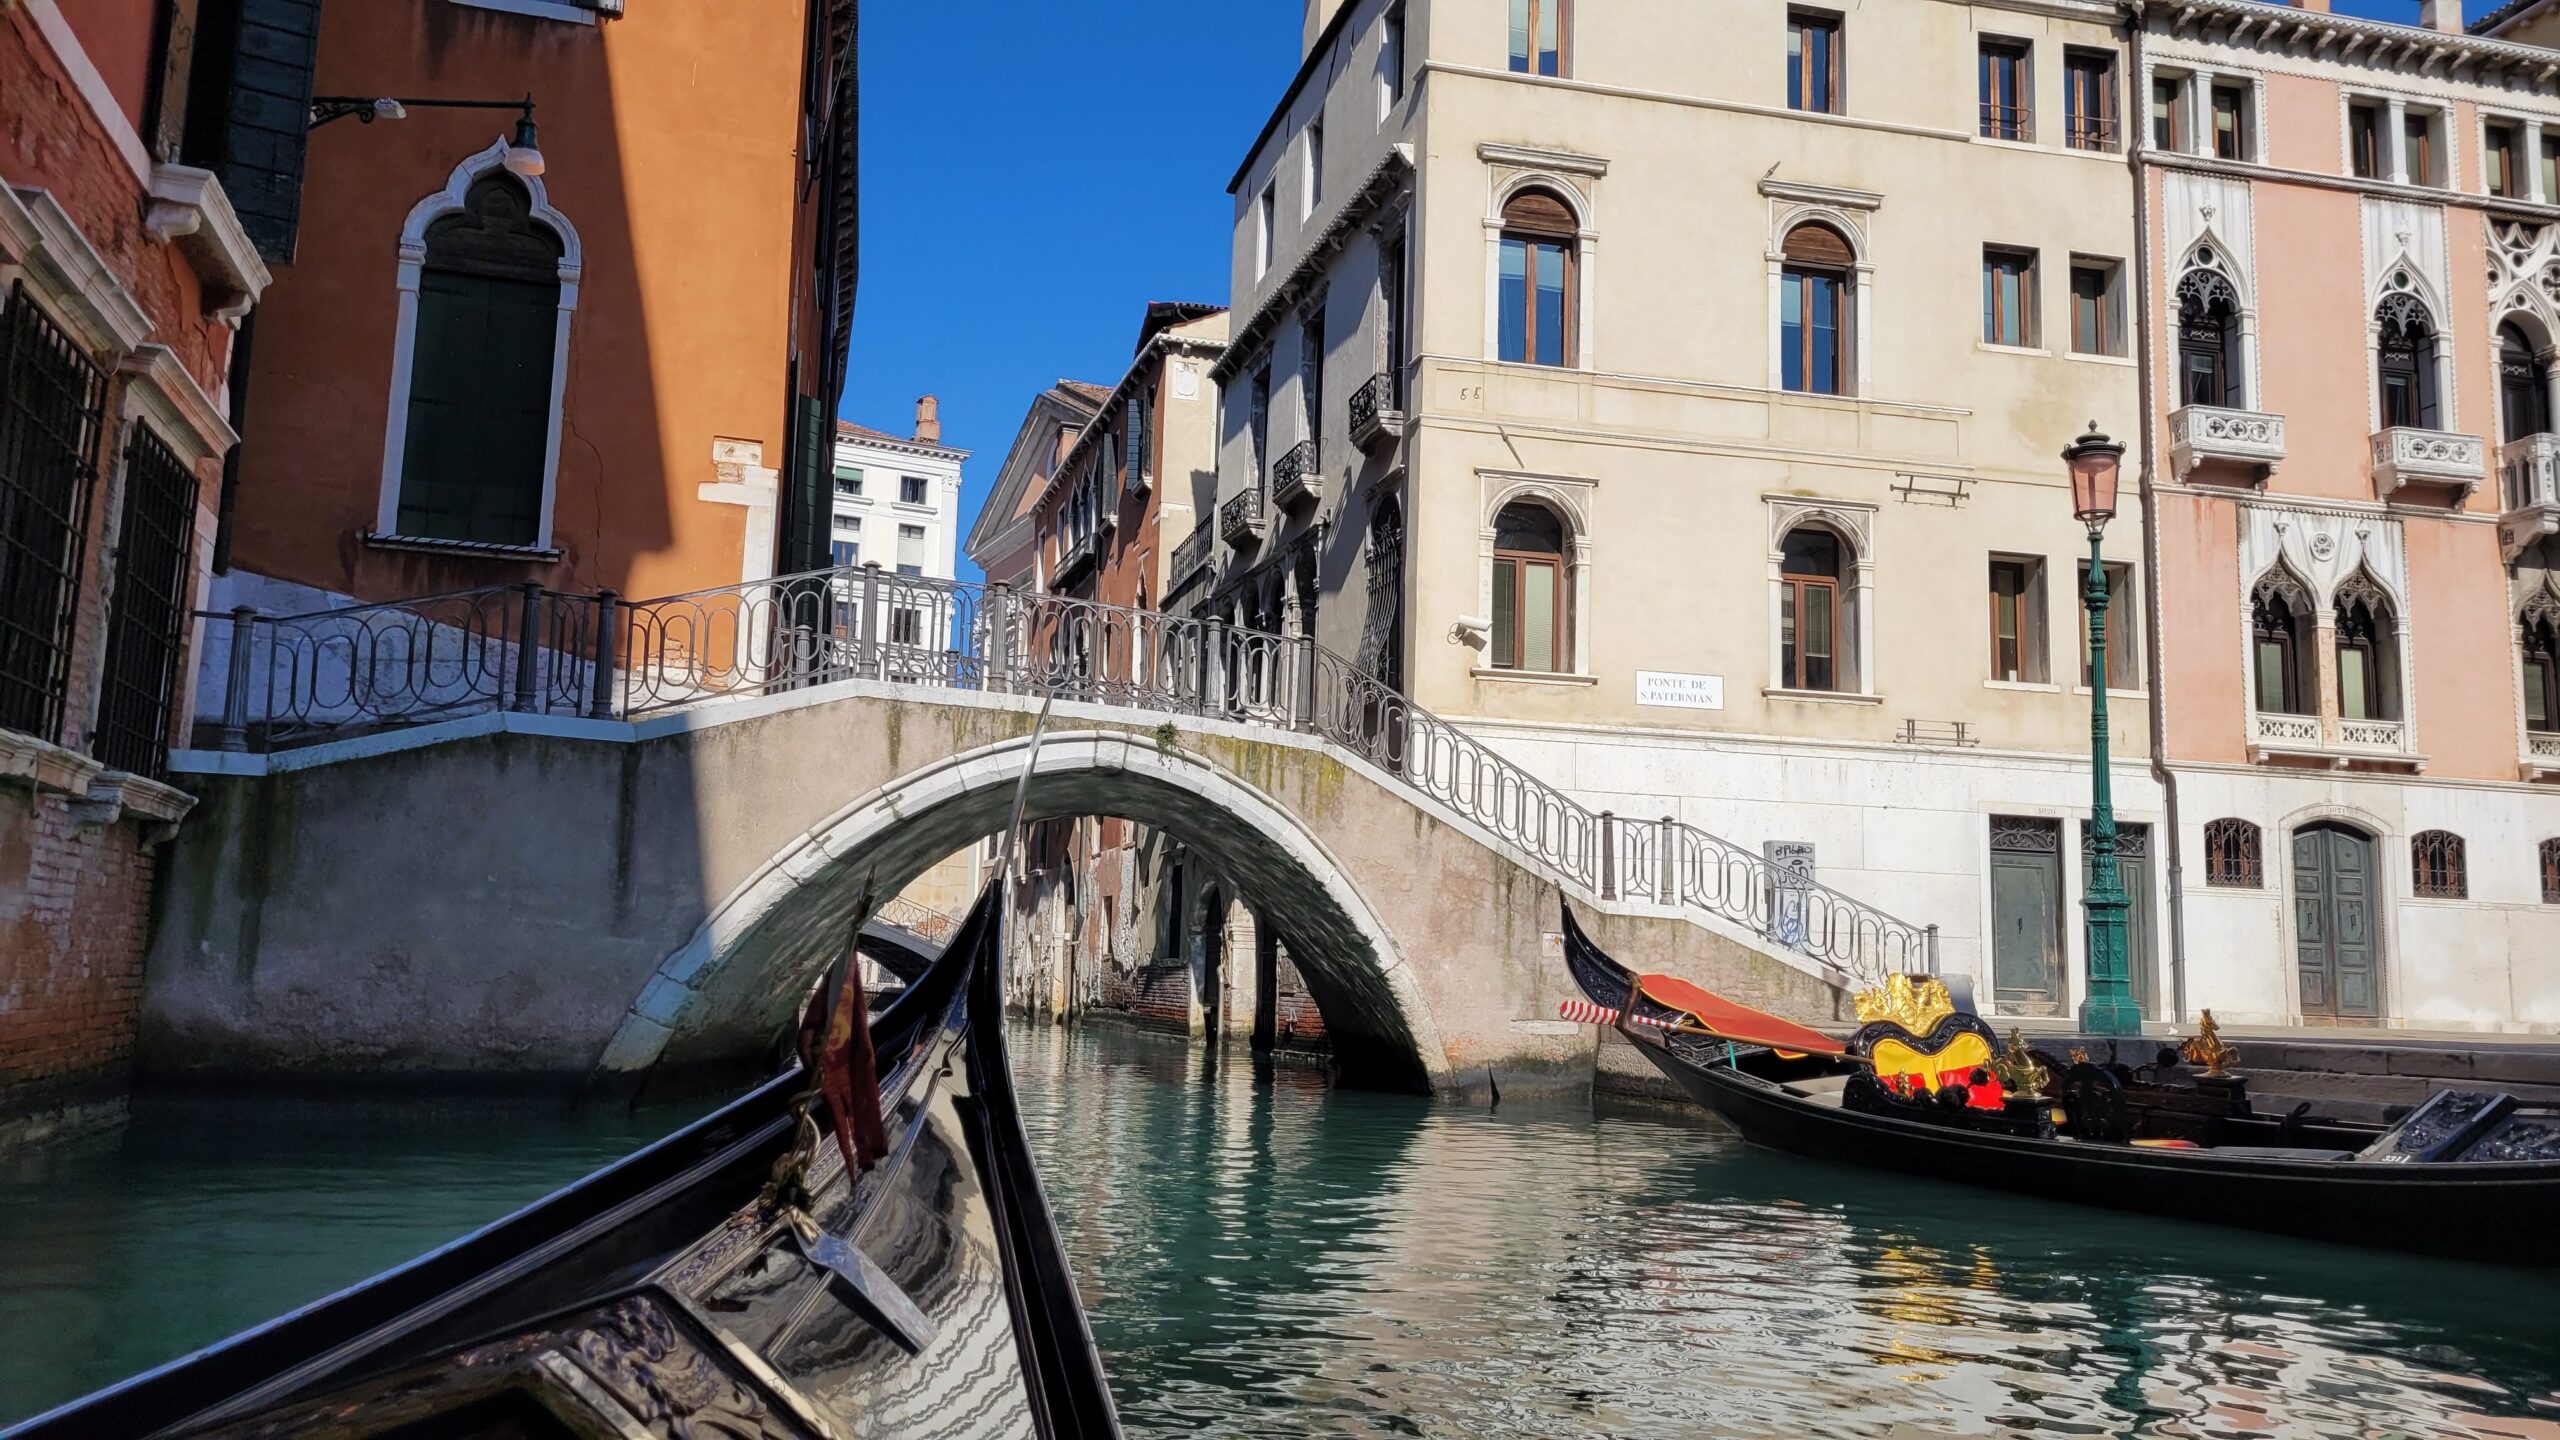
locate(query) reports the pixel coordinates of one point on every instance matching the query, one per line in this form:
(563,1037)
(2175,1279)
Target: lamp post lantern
(2107,1006)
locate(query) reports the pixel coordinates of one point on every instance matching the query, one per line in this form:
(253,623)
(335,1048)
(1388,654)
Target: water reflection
(1275,1258)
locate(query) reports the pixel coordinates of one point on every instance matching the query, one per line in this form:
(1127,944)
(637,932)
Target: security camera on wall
(1475,630)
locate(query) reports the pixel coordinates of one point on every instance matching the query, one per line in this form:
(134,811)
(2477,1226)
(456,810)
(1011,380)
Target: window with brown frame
(1817,304)
(2232,128)
(2364,140)
(2169,113)
(2549,160)
(2017,619)
(1813,61)
(2008,296)
(2124,649)
(2007,87)
(2541,675)
(2089,100)
(1809,626)
(2231,856)
(1541,37)
(1528,590)
(1538,298)
(2097,324)
(2279,660)
(2418,148)
(2498,147)
(2367,659)
(2551,872)
(2436,868)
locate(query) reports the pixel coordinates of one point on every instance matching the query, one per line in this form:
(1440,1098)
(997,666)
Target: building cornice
(1837,196)
(916,448)
(1538,157)
(1161,347)
(1391,175)
(2383,189)
(158,386)
(2346,39)
(188,208)
(40,235)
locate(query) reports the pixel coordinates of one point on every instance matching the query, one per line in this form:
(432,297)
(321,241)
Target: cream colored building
(1531,406)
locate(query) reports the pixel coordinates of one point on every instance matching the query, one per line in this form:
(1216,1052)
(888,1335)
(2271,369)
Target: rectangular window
(906,625)
(1263,235)
(2538,689)
(845,553)
(1540,31)
(2364,140)
(2089,100)
(2550,162)
(2017,619)
(2097,325)
(1391,317)
(910,532)
(2009,297)
(1315,167)
(2418,149)
(1258,418)
(53,406)
(1813,61)
(2169,113)
(2008,91)
(1808,630)
(1311,379)
(2498,160)
(2232,139)
(848,481)
(1526,612)
(1391,64)
(155,568)
(912,489)
(1810,322)
(848,524)
(1537,300)
(2124,649)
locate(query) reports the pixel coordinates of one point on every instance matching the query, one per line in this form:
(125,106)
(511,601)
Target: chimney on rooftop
(2441,15)
(928,421)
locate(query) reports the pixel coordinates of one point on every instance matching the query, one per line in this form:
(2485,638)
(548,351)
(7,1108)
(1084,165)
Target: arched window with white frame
(2408,353)
(1819,593)
(488,281)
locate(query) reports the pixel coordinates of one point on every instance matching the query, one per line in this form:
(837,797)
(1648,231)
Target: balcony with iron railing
(1243,519)
(2201,435)
(1297,478)
(304,679)
(2405,456)
(2529,486)
(1194,554)
(1377,411)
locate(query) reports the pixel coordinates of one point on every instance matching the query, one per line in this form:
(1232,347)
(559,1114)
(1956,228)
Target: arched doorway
(1209,928)
(2337,949)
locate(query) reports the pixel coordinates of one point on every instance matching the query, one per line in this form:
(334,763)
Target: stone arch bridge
(614,856)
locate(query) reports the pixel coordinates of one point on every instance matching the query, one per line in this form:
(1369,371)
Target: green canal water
(1269,1256)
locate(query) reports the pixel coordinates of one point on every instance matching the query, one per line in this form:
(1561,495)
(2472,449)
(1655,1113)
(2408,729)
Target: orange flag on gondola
(1738,1023)
(848,1072)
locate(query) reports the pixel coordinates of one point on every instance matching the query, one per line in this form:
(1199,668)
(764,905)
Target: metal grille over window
(2231,851)
(2436,869)
(52,405)
(2551,872)
(154,539)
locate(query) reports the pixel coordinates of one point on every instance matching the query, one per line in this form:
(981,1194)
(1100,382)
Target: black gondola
(2467,1175)
(729,1280)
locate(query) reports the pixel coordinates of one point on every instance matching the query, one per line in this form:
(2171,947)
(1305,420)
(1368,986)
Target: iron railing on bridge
(297,679)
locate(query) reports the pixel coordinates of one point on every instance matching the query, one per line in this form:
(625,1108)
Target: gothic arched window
(2209,369)
(2405,363)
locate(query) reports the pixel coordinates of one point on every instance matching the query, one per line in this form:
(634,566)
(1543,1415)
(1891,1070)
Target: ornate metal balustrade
(299,679)
(1195,552)
(1243,518)
(1377,411)
(1298,476)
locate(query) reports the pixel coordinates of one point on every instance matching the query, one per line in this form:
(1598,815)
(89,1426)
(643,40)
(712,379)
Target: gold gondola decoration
(2207,1050)
(1917,1005)
(2019,1071)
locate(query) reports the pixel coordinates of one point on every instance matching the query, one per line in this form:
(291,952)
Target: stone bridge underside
(631,906)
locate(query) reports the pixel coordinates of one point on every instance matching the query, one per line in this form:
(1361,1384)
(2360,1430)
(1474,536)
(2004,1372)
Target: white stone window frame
(1853,522)
(404,342)
(536,9)
(1574,179)
(1570,499)
(2405,276)
(2320,550)
(2234,270)
(2530,130)
(1844,211)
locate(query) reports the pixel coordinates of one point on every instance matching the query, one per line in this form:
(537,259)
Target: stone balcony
(2202,435)
(2330,741)
(2404,456)
(2541,755)
(1377,412)
(1243,519)
(1297,477)
(2529,492)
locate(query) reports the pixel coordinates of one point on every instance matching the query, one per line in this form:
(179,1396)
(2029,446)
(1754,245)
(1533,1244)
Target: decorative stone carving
(2320,549)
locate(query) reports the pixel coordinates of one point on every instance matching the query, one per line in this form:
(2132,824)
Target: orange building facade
(123,270)
(2353,310)
(611,367)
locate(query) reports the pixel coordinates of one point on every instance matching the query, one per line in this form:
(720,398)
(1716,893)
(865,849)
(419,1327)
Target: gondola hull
(2501,1213)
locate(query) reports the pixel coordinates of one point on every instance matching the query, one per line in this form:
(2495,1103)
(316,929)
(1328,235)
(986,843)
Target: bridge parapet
(295,680)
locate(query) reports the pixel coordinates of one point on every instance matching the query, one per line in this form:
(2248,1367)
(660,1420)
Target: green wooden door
(2026,916)
(2335,952)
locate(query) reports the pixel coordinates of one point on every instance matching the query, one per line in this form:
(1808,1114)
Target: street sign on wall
(1679,692)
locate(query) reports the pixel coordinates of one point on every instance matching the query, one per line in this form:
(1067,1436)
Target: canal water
(1264,1255)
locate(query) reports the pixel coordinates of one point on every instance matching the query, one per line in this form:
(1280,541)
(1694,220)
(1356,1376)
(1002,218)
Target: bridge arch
(733,983)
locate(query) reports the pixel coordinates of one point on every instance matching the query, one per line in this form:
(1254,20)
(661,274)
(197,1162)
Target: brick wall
(1156,996)
(74,903)
(1296,1024)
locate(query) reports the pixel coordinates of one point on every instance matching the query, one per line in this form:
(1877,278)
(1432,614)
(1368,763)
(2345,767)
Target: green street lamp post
(2108,1007)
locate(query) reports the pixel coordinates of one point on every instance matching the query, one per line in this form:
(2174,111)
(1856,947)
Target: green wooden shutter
(479,409)
(249,108)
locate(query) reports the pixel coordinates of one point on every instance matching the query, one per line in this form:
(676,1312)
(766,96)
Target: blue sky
(1034,173)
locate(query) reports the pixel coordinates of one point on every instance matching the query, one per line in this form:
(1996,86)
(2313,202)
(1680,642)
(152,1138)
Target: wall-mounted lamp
(524,152)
